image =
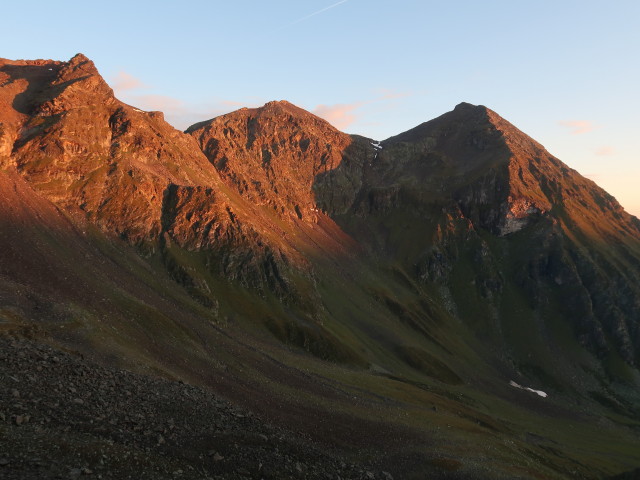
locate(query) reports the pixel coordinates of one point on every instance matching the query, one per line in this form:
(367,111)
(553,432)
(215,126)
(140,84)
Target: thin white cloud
(183,114)
(233,104)
(343,115)
(340,115)
(578,127)
(124,81)
(318,12)
(593,176)
(389,94)
(159,102)
(605,151)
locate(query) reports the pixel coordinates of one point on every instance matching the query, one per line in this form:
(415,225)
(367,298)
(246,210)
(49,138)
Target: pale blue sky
(566,71)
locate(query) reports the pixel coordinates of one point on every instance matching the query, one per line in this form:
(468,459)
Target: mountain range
(451,302)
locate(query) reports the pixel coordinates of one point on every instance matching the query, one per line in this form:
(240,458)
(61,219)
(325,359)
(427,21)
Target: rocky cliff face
(132,174)
(89,153)
(271,155)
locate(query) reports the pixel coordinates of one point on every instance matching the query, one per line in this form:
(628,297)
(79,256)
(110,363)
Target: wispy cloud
(159,102)
(388,94)
(343,115)
(317,13)
(605,151)
(340,115)
(183,114)
(233,103)
(123,81)
(578,127)
(593,176)
(176,111)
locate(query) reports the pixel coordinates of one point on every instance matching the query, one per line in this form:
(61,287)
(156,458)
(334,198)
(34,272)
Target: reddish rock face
(133,175)
(91,154)
(273,154)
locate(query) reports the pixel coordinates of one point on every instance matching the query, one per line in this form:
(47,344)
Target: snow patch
(537,392)
(138,110)
(377,147)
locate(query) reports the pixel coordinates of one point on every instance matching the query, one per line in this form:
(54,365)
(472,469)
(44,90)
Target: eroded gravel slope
(64,417)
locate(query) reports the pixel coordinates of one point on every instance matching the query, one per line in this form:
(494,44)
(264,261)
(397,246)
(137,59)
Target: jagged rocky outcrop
(272,154)
(91,154)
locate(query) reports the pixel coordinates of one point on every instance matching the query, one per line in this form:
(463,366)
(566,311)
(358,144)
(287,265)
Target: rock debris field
(62,417)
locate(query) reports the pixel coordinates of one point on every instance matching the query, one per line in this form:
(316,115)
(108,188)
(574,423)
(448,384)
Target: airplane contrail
(318,12)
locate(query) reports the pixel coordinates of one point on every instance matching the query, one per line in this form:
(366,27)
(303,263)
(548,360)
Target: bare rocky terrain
(62,416)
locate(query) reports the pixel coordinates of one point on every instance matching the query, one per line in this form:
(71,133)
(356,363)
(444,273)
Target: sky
(566,72)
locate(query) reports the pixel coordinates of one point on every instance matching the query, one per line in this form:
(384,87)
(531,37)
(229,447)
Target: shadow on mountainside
(37,78)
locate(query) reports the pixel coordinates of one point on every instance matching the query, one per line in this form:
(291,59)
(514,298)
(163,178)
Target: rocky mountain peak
(500,178)
(272,154)
(90,153)
(469,107)
(77,84)
(80,58)
(282,105)
(81,63)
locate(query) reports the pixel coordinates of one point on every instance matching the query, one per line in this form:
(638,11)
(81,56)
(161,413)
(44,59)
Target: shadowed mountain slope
(469,184)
